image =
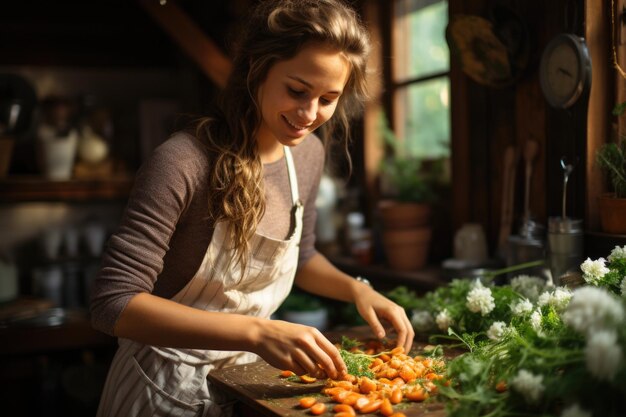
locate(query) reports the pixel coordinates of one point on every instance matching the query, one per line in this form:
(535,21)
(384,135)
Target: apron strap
(293,181)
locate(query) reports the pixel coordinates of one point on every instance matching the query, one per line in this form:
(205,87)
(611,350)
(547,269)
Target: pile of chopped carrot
(398,378)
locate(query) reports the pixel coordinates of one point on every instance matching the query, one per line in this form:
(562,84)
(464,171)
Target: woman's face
(300,94)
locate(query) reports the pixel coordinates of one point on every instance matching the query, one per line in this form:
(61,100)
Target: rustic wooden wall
(486,120)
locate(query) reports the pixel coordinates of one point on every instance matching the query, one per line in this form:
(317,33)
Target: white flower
(617,253)
(559,298)
(444,320)
(522,307)
(529,385)
(497,330)
(480,300)
(623,287)
(592,309)
(575,411)
(603,355)
(535,320)
(593,271)
(422,321)
(528,286)
(544,299)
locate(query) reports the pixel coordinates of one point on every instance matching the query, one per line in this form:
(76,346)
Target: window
(420,82)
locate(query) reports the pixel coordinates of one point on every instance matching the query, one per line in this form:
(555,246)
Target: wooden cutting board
(259,387)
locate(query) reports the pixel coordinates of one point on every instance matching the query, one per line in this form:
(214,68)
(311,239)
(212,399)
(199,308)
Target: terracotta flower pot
(400,215)
(612,214)
(407,249)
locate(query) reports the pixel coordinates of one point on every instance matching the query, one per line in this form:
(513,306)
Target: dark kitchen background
(122,75)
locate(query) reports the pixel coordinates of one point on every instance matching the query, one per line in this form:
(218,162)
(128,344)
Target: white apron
(155,381)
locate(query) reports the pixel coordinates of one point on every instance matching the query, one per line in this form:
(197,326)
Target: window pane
(423,118)
(420,44)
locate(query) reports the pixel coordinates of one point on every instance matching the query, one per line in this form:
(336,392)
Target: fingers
(371,318)
(404,329)
(396,315)
(322,353)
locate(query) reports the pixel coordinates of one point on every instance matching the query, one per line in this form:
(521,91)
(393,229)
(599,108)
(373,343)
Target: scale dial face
(565,70)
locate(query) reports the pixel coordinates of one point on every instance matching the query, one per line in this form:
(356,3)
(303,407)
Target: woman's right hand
(298,348)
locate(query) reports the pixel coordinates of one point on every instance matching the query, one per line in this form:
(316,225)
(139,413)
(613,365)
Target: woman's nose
(309,110)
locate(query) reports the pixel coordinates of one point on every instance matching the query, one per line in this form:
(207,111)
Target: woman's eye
(295,93)
(325,101)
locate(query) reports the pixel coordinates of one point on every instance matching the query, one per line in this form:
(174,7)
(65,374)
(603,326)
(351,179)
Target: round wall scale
(565,70)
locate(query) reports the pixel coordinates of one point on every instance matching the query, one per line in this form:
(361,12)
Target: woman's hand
(374,307)
(298,348)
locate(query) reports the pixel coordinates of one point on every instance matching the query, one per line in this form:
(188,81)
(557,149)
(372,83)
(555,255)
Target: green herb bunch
(611,157)
(550,351)
(357,362)
(404,173)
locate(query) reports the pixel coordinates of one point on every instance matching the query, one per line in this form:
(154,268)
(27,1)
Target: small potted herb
(405,210)
(611,158)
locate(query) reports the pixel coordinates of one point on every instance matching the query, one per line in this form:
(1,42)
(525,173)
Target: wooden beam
(597,18)
(186,33)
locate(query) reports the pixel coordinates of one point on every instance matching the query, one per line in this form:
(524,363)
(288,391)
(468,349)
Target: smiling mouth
(294,125)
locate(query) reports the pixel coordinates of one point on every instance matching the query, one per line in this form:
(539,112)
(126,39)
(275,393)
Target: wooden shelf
(17,189)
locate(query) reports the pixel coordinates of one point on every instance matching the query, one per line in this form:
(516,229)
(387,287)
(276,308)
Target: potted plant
(405,208)
(611,157)
(303,308)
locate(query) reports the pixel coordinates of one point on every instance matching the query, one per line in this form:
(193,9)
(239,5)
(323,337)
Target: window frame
(396,81)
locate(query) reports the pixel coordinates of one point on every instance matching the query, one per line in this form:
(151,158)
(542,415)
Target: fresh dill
(357,364)
(348,344)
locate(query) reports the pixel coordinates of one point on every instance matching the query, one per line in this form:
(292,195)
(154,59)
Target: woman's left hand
(374,307)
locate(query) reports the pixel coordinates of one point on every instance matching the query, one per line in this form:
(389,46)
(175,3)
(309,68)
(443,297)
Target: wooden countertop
(260,391)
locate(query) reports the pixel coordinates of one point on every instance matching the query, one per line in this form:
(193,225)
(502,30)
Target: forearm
(157,321)
(319,276)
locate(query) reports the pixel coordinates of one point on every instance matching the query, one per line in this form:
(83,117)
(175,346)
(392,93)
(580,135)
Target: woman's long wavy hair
(276,31)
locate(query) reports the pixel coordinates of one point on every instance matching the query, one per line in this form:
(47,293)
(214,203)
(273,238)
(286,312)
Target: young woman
(221,221)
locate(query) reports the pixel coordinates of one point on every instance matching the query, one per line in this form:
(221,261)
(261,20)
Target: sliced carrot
(344,408)
(330,391)
(418,394)
(352,398)
(395,363)
(386,409)
(361,402)
(307,402)
(398,415)
(371,407)
(397,350)
(391,373)
(398,381)
(286,373)
(344,414)
(307,379)
(366,385)
(396,396)
(318,409)
(349,377)
(340,396)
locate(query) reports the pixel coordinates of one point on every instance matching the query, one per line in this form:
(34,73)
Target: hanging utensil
(508,185)
(531,149)
(567,170)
